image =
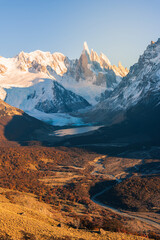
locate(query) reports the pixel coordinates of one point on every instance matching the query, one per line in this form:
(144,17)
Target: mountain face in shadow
(131,113)
(140,86)
(17,126)
(139,128)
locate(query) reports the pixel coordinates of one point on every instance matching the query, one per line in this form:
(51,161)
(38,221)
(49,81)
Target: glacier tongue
(56,119)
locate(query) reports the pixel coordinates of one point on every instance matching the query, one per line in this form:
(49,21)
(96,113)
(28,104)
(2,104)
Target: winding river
(117,211)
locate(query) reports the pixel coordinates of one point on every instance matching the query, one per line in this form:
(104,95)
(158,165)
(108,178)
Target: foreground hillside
(42,187)
(23,217)
(63,178)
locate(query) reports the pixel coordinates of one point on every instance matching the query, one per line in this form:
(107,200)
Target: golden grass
(22,212)
(60,178)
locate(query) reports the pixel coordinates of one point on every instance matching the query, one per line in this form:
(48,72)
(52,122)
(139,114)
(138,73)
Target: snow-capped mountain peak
(104,60)
(140,87)
(85,48)
(24,84)
(94,56)
(39,61)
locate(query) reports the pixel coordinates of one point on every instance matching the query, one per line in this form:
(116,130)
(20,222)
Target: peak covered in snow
(97,69)
(104,60)
(46,96)
(23,80)
(140,86)
(39,61)
(85,48)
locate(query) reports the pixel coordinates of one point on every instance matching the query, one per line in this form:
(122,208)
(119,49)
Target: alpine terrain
(41,82)
(139,88)
(87,184)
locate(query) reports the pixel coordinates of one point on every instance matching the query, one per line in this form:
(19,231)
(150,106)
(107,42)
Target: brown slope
(17,126)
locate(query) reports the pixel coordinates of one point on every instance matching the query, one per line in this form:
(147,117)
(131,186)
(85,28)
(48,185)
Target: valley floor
(47,193)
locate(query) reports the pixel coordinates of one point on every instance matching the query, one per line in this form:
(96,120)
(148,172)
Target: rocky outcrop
(47,96)
(120,70)
(89,67)
(3,69)
(98,69)
(39,61)
(140,86)
(88,77)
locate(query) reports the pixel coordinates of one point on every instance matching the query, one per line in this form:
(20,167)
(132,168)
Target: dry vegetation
(23,217)
(136,194)
(50,186)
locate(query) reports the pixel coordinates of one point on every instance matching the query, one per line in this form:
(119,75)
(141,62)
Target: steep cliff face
(98,69)
(140,86)
(3,69)
(52,83)
(39,61)
(87,76)
(46,96)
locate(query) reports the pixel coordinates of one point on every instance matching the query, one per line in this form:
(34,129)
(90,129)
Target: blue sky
(119,29)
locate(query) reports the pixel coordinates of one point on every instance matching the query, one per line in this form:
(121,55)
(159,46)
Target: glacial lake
(75,130)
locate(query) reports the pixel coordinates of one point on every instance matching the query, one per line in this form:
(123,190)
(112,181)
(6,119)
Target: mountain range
(140,87)
(41,82)
(130,114)
(77,183)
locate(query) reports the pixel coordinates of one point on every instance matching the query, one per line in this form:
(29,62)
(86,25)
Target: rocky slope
(22,220)
(17,126)
(46,96)
(131,113)
(96,69)
(140,87)
(89,67)
(87,77)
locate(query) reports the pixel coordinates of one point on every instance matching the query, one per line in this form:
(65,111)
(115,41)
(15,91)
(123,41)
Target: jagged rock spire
(85,48)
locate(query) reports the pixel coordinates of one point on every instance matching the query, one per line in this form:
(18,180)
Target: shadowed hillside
(18,127)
